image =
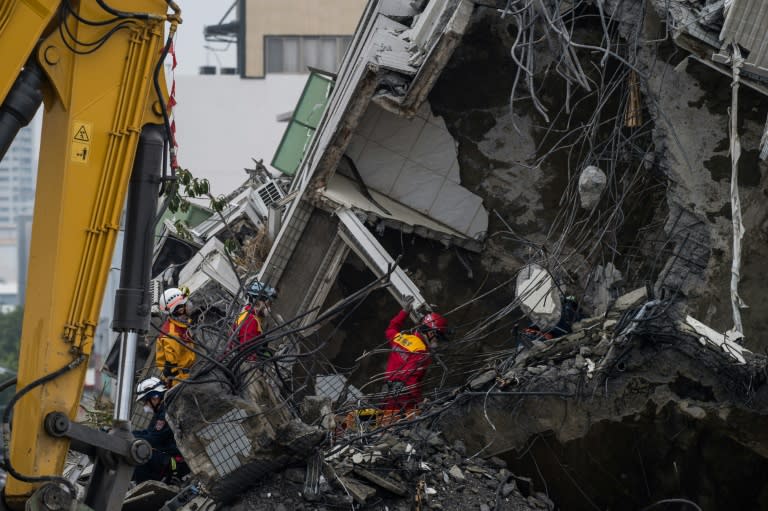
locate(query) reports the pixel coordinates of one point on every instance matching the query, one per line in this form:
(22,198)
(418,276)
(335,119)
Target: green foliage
(189,187)
(10,334)
(231,246)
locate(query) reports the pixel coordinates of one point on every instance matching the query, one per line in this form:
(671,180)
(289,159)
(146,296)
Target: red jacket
(409,359)
(247,325)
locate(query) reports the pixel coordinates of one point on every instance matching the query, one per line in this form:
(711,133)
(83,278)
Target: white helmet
(151,385)
(171,299)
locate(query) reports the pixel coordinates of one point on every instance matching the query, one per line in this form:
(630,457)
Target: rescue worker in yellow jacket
(173,355)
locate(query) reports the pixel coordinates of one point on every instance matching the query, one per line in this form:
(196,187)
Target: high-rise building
(17,183)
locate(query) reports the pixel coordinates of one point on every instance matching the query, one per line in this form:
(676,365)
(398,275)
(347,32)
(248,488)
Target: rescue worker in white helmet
(166,459)
(173,355)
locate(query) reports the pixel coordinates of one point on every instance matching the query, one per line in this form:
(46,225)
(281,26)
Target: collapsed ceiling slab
(385,212)
(414,162)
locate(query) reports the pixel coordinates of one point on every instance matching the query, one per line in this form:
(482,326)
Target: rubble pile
(230,442)
(400,469)
(666,385)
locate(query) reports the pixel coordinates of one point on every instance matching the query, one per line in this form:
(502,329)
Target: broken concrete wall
(610,424)
(674,173)
(303,266)
(690,105)
(229,442)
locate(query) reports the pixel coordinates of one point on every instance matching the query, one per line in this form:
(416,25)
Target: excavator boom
(97,65)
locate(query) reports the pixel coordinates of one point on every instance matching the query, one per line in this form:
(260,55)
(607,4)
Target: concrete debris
(540,299)
(382,481)
(230,442)
(456,473)
(395,481)
(601,288)
(592,182)
(481,380)
(359,491)
(662,369)
(318,410)
(149,495)
(725,342)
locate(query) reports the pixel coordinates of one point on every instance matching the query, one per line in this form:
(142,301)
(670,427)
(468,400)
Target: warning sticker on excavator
(82,134)
(81,141)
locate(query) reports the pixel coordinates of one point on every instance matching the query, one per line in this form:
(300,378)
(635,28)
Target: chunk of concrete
(629,300)
(381,481)
(540,299)
(456,473)
(230,442)
(592,182)
(148,495)
(359,491)
(482,379)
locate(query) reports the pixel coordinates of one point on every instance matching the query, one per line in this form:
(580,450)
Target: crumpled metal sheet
(745,24)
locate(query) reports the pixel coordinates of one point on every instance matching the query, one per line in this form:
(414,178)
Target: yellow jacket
(172,354)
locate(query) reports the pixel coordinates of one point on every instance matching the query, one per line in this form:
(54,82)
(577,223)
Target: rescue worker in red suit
(410,357)
(248,325)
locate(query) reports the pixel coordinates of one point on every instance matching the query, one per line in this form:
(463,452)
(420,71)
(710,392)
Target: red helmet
(435,321)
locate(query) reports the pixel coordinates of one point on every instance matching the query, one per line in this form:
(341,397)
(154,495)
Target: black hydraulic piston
(21,104)
(132,299)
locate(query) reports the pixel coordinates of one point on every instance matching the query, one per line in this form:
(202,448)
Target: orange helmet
(434,321)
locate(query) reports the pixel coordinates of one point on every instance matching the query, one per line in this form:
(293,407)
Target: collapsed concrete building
(612,151)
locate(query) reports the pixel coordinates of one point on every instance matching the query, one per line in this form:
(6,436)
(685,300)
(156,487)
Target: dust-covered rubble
(400,469)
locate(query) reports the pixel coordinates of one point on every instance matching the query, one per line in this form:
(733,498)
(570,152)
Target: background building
(17,182)
(18,170)
(223,121)
(287,36)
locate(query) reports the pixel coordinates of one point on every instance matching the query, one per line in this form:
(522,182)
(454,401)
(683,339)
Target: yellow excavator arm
(97,66)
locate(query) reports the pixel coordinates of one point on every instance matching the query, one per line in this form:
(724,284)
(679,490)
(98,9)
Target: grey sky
(190,44)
